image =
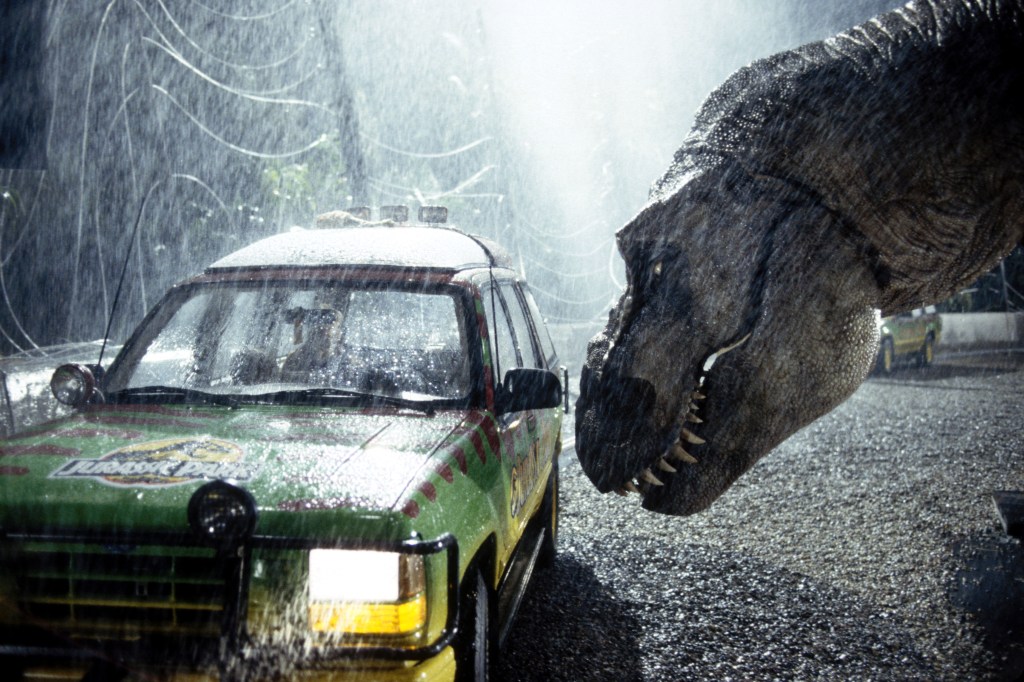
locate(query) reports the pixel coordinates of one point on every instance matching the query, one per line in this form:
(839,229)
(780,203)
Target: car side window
(546,344)
(521,327)
(504,354)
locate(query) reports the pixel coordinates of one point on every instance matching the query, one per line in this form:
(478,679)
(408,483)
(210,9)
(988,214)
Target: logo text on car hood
(160,463)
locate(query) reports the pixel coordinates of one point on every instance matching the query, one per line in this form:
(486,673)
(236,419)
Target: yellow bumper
(440,668)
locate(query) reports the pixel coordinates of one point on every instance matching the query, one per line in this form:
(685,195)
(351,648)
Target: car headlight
(366,592)
(72,384)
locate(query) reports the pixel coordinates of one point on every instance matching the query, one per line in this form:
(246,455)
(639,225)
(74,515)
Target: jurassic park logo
(160,463)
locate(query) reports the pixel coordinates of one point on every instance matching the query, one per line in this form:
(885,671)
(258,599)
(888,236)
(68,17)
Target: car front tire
(549,517)
(928,351)
(475,645)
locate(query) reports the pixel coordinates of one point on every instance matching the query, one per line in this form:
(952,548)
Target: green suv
(912,335)
(332,455)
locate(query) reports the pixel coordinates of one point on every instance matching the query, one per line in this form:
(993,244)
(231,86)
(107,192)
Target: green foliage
(987,294)
(297,191)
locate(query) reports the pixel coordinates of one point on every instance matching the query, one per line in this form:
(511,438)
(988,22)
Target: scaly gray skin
(880,169)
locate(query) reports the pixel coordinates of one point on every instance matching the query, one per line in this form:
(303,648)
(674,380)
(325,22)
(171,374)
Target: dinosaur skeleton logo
(161,463)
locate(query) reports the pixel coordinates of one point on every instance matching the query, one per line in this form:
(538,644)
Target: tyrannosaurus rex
(878,170)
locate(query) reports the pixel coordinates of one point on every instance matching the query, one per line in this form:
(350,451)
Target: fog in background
(206,124)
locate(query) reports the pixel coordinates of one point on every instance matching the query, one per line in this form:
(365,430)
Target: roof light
(433,214)
(396,214)
(359,212)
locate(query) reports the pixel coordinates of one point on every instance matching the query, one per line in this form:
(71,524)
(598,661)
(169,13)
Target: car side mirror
(565,388)
(526,388)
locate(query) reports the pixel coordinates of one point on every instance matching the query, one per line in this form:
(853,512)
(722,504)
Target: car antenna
(127,257)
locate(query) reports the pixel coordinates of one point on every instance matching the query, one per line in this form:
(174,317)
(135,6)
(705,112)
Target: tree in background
(169,115)
(1000,290)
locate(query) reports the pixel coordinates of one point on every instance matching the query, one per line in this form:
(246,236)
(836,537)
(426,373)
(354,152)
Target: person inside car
(316,329)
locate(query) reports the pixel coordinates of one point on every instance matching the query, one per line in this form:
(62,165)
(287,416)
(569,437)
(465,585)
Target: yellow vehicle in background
(909,336)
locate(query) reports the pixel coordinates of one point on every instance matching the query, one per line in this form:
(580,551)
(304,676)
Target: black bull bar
(230,655)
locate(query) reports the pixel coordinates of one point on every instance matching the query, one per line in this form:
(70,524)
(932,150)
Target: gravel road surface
(866,547)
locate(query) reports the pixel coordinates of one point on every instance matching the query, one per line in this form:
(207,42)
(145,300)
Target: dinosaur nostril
(626,397)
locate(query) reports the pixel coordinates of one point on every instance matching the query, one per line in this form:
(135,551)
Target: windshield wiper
(159,394)
(323,395)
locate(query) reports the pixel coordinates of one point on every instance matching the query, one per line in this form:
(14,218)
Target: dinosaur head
(734,331)
(880,169)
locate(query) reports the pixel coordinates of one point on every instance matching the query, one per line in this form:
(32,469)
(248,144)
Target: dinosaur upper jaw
(674,448)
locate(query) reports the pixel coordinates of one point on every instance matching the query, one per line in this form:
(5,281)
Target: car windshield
(293,340)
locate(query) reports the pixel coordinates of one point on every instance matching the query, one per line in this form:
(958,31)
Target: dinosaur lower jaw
(682,439)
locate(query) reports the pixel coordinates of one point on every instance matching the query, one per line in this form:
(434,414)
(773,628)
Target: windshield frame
(409,280)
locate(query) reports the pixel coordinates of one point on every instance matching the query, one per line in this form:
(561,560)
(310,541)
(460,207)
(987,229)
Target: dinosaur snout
(614,426)
(623,404)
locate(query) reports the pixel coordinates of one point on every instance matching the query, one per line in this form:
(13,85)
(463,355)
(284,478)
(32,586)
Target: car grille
(119,594)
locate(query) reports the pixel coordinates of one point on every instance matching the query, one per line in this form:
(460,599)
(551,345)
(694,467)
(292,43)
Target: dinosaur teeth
(646,475)
(677,451)
(691,437)
(682,455)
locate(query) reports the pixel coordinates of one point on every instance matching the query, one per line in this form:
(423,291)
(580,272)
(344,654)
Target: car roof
(374,245)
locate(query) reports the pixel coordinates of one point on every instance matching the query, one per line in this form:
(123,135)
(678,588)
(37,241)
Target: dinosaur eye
(657,269)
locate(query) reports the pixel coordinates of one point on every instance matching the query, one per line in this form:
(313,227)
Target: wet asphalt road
(866,547)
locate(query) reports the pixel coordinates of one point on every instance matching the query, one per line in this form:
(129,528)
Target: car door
(515,429)
(535,430)
(917,328)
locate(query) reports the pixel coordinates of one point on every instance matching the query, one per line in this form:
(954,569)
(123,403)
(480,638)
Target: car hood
(135,467)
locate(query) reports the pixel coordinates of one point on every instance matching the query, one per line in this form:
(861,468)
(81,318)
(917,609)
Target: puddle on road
(989,585)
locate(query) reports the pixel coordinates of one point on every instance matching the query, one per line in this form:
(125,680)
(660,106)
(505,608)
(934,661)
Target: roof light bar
(396,214)
(433,214)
